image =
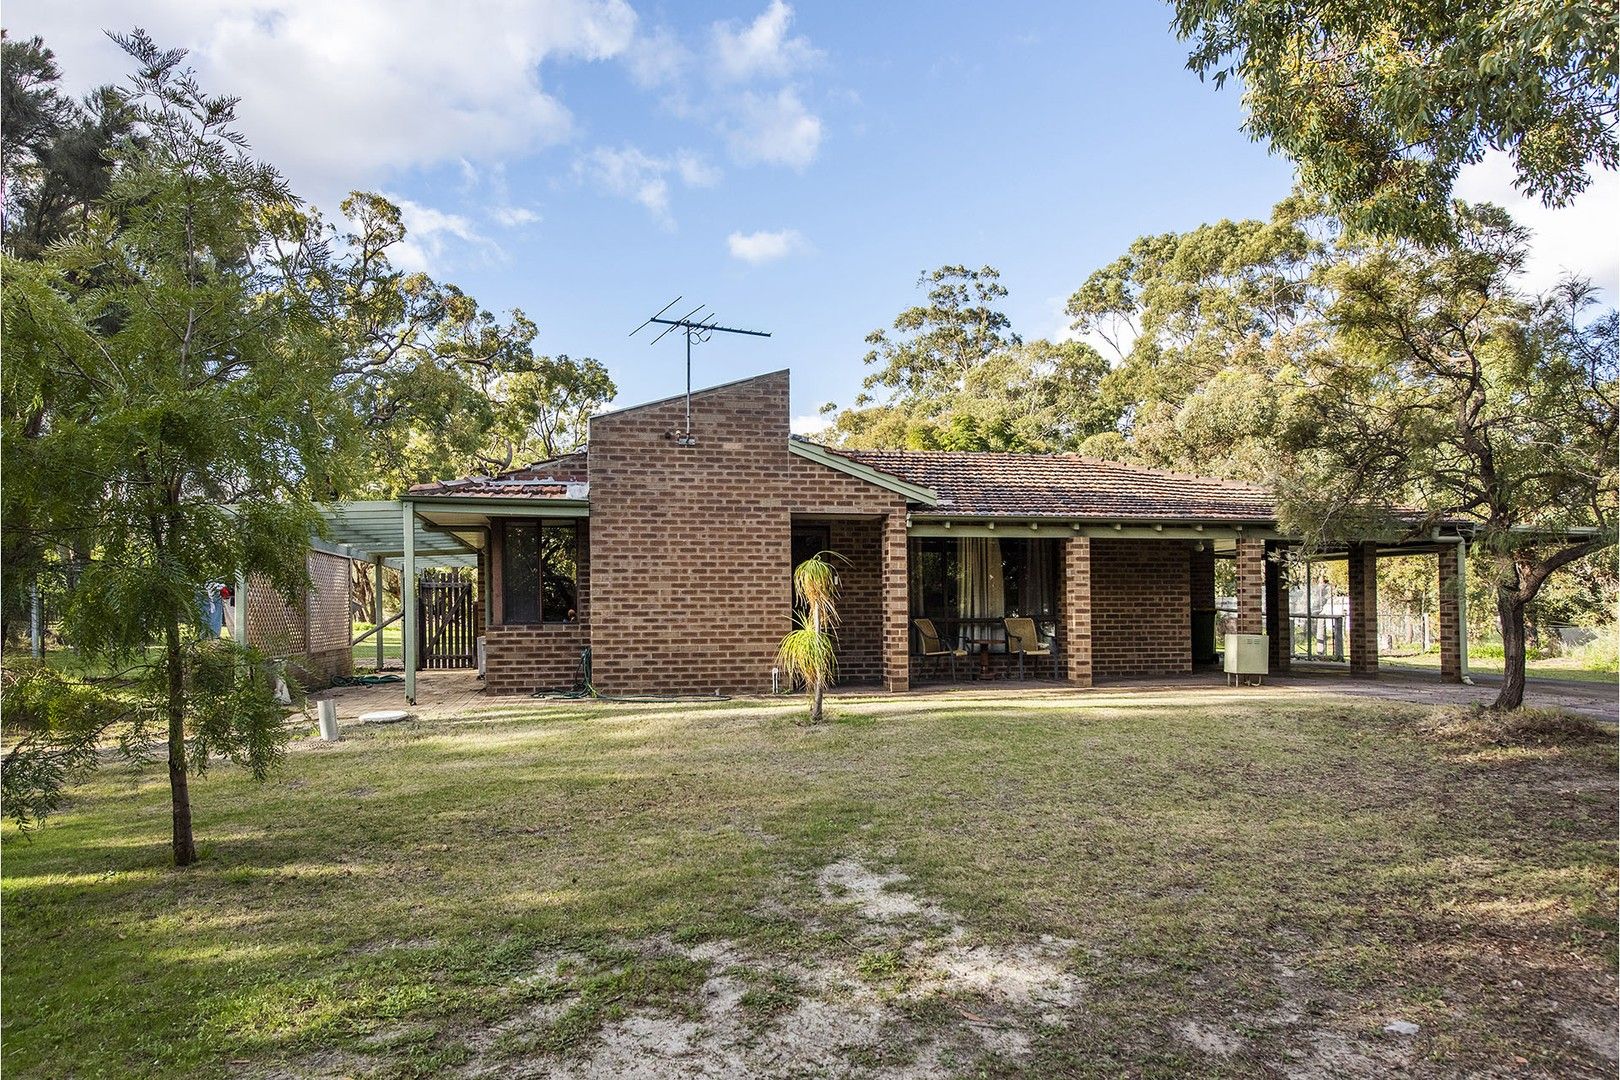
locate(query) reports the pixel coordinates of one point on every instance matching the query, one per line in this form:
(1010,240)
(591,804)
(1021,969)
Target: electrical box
(1248,657)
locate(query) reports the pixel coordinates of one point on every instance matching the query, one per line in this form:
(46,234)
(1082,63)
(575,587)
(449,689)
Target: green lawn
(365,653)
(1555,667)
(1203,881)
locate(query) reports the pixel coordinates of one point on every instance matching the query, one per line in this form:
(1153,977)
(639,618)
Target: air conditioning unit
(1248,658)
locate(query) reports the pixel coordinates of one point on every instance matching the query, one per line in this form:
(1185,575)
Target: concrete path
(451,693)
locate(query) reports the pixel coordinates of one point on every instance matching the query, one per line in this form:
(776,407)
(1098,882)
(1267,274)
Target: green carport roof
(375,529)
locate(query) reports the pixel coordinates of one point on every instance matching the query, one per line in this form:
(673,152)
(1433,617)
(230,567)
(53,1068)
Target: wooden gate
(446,623)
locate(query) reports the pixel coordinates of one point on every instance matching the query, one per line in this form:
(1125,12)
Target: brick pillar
(1075,618)
(1250,562)
(1364,610)
(896,605)
(1451,629)
(1279,626)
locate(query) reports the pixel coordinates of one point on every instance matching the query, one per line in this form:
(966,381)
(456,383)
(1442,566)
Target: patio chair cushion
(1023,638)
(931,644)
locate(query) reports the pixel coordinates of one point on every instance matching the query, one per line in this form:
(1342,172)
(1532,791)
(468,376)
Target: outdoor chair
(1023,639)
(932,646)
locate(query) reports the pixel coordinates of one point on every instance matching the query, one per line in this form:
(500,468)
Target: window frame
(541,572)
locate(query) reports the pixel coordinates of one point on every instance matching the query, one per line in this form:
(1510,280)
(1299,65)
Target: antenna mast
(699,326)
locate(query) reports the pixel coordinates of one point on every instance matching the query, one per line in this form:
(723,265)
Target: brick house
(668,553)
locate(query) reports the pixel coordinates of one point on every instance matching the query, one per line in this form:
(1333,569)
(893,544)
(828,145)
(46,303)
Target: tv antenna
(696,326)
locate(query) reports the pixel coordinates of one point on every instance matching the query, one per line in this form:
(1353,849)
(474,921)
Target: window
(1029,578)
(559,572)
(540,572)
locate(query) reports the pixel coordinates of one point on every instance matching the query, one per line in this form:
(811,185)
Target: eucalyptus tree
(440,385)
(1380,103)
(952,373)
(1446,389)
(1205,327)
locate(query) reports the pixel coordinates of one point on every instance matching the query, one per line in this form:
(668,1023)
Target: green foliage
(440,386)
(54,151)
(936,345)
(1447,390)
(173,417)
(56,726)
(1602,653)
(194,362)
(956,377)
(1380,103)
(1206,327)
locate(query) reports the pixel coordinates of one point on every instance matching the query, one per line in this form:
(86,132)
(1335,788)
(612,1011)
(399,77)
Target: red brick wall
(1451,629)
(860,598)
(1363,573)
(1075,634)
(690,545)
(523,659)
(1141,610)
(1250,568)
(520,659)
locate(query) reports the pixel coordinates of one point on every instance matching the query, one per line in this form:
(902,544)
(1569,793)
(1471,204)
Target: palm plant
(807,653)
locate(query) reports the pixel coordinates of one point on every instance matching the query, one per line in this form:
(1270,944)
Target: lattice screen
(328,603)
(275,627)
(278,628)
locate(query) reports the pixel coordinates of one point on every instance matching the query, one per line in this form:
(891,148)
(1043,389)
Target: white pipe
(327,711)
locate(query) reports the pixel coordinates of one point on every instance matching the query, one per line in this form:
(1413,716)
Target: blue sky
(792,167)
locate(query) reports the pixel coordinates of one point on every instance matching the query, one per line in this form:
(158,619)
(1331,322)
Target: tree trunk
(185,847)
(1510,609)
(815,702)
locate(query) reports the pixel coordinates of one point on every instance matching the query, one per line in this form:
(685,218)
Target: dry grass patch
(1152,884)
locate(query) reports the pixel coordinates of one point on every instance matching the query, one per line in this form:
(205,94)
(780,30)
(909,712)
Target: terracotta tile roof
(1067,485)
(559,478)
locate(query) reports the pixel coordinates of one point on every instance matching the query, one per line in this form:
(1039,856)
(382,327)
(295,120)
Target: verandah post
(376,606)
(407,595)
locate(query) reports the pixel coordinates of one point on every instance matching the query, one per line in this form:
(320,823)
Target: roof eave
(822,456)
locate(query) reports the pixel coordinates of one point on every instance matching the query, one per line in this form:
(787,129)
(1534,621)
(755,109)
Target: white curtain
(979,591)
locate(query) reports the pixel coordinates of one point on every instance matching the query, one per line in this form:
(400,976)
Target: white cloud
(1578,239)
(631,173)
(742,85)
(764,247)
(762,49)
(514,216)
(695,171)
(812,424)
(432,234)
(657,58)
(342,95)
(774,129)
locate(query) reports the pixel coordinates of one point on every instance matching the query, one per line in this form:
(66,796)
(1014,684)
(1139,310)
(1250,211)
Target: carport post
(407,596)
(1462,609)
(376,607)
